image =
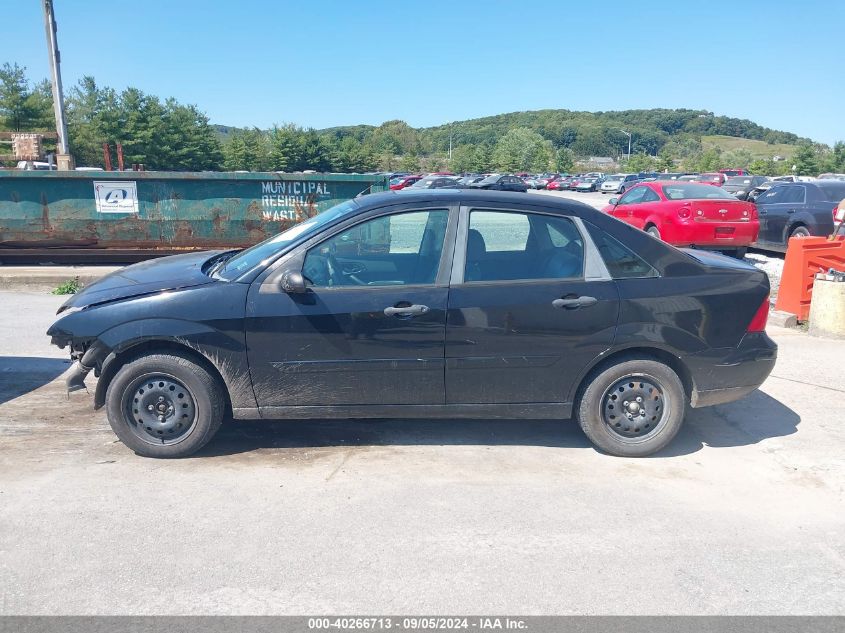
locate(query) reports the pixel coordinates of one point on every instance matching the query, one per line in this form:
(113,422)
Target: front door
(371,327)
(628,207)
(523,321)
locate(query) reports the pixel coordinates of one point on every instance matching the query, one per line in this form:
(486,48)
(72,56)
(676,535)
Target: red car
(689,214)
(558,184)
(403,181)
(734,172)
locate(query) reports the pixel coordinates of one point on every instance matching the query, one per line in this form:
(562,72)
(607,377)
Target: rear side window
(621,261)
(501,231)
(510,246)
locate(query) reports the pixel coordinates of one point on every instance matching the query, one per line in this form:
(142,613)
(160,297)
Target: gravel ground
(770,263)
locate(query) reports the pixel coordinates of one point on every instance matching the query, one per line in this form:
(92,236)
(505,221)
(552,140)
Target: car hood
(155,275)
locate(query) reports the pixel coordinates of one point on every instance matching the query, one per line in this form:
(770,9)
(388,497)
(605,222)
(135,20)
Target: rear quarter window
(621,261)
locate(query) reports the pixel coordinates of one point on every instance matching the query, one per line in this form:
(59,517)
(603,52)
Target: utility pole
(63,157)
(628,134)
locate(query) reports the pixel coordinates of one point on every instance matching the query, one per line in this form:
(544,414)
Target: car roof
(473,196)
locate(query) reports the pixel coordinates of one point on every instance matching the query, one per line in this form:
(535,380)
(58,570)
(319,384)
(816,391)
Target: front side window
(772,196)
(391,250)
(633,196)
(650,196)
(794,194)
(504,246)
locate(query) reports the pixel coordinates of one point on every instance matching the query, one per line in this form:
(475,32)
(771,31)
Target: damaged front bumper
(89,356)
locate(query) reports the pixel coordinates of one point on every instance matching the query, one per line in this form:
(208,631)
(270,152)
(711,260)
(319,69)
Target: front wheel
(633,408)
(165,405)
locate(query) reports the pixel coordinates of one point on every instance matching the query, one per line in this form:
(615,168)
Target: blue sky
(317,63)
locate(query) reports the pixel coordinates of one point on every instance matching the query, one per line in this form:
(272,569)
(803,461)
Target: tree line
(168,135)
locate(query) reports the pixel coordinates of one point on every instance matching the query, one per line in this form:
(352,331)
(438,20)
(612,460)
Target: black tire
(192,400)
(645,434)
(799,231)
(738,253)
(653,231)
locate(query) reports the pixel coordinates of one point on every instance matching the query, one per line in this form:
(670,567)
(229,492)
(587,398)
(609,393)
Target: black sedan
(498,182)
(742,186)
(797,209)
(444,303)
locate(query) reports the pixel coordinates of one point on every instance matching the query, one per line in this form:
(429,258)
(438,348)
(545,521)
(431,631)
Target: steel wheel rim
(159,409)
(634,408)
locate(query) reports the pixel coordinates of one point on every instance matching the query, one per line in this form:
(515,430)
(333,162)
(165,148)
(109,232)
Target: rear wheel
(739,253)
(165,405)
(633,408)
(800,231)
(653,231)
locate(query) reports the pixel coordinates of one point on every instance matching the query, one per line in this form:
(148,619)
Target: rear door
(772,214)
(789,201)
(523,319)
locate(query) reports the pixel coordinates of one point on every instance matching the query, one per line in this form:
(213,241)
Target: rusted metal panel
(164,210)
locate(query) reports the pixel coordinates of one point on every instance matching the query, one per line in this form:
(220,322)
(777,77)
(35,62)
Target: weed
(70,287)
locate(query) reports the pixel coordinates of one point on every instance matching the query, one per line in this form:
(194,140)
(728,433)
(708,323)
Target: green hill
(757,149)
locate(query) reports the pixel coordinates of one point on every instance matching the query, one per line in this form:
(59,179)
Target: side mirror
(613,201)
(293,283)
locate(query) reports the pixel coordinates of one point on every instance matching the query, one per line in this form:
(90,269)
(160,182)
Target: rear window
(692,191)
(832,191)
(738,180)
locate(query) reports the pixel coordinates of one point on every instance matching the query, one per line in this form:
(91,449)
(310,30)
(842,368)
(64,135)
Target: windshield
(254,256)
(490,180)
(692,191)
(739,181)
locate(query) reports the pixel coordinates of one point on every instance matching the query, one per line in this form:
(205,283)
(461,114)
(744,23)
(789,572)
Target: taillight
(758,323)
(684,213)
(838,214)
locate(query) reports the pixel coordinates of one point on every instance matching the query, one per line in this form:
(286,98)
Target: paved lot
(743,514)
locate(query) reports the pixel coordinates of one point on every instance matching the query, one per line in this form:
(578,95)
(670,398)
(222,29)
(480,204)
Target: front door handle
(573,303)
(791,211)
(406,311)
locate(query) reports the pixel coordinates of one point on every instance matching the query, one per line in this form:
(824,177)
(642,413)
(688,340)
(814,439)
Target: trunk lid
(721,210)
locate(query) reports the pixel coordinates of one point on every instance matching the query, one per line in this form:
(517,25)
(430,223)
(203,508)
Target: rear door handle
(574,303)
(406,311)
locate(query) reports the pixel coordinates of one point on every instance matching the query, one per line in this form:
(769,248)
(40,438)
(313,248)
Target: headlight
(67,310)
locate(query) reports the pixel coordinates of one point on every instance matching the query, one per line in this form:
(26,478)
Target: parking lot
(742,514)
